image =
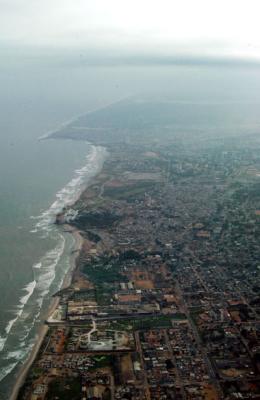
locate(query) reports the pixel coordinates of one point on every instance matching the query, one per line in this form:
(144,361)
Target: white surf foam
(29,288)
(45,269)
(44,280)
(11,323)
(5,371)
(70,193)
(22,302)
(2,342)
(37,266)
(17,355)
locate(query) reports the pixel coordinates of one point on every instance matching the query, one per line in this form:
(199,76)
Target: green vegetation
(103,294)
(129,193)
(95,219)
(129,255)
(101,361)
(103,271)
(161,321)
(93,237)
(69,389)
(121,325)
(99,274)
(35,372)
(84,294)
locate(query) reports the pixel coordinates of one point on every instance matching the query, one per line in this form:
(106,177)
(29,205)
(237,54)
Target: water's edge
(45,224)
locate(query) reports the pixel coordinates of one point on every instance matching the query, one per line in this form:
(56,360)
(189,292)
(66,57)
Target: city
(164,300)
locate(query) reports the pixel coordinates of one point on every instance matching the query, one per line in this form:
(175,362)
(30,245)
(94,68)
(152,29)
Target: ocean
(39,177)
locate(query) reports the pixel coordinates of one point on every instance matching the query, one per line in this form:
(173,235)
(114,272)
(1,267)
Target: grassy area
(162,321)
(65,389)
(103,295)
(35,372)
(121,325)
(178,316)
(102,361)
(84,294)
(100,219)
(100,272)
(128,193)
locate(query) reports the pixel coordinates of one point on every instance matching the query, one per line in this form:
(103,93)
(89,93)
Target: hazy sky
(189,27)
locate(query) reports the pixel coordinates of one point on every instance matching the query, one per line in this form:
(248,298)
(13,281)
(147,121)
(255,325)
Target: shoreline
(43,328)
(49,134)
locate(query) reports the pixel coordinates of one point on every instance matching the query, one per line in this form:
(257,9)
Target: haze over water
(32,172)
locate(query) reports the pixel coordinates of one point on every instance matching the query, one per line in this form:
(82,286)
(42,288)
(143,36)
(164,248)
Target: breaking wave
(22,302)
(44,271)
(70,193)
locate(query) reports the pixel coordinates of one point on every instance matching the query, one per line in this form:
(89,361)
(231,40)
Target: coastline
(43,328)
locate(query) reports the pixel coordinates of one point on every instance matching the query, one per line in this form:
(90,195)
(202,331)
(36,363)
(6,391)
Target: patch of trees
(98,220)
(129,255)
(93,237)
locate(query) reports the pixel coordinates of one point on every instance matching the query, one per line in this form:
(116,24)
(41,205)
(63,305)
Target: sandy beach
(24,369)
(65,229)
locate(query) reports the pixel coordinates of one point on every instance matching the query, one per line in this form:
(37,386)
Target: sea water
(38,178)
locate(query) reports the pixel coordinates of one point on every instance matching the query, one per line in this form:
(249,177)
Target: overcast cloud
(160,27)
